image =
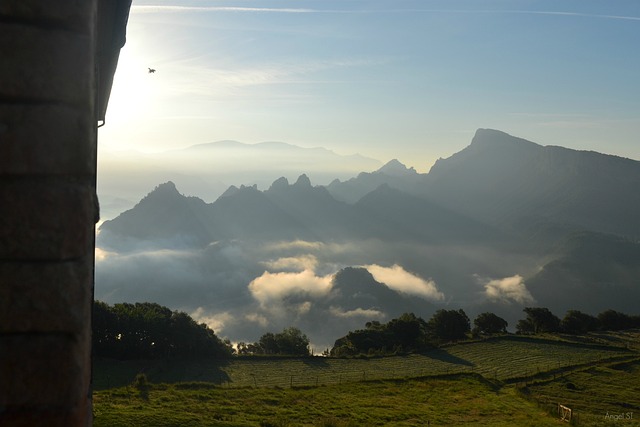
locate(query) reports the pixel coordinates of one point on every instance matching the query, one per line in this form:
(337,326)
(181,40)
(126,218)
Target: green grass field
(601,396)
(467,399)
(508,381)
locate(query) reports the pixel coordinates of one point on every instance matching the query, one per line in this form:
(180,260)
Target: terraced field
(506,358)
(504,381)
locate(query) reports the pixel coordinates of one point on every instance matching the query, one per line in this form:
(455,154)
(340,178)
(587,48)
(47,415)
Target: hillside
(506,358)
(506,380)
(501,179)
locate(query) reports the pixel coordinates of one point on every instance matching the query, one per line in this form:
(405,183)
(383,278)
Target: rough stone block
(45,297)
(29,133)
(44,370)
(45,218)
(68,59)
(74,15)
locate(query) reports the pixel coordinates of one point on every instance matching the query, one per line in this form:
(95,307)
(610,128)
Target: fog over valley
(300,238)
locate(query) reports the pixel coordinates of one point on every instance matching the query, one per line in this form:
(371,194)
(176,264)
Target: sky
(405,79)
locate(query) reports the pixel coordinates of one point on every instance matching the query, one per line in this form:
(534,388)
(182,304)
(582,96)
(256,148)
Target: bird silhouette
(152,70)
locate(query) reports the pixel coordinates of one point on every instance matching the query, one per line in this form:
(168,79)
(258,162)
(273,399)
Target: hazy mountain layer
(207,170)
(503,224)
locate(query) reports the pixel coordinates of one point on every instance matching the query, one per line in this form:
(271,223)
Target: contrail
(157,9)
(164,8)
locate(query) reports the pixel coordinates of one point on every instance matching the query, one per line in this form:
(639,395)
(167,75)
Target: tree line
(151,331)
(409,333)
(540,319)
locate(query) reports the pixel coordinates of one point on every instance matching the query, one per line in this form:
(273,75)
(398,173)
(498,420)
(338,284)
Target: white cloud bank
(358,312)
(215,321)
(271,287)
(298,263)
(508,289)
(400,280)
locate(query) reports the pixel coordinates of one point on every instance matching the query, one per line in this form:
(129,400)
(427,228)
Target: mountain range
(207,170)
(502,224)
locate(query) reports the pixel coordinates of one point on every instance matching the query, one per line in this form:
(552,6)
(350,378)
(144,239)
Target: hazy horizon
(385,79)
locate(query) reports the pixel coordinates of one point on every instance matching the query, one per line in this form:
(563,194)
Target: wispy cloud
(179,9)
(200,77)
(271,287)
(575,14)
(297,263)
(183,9)
(508,289)
(398,279)
(358,312)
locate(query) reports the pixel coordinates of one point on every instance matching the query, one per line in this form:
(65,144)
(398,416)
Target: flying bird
(152,70)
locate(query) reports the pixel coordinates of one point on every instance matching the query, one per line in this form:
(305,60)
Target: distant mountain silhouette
(164,214)
(567,221)
(356,288)
(207,170)
(393,174)
(275,156)
(505,180)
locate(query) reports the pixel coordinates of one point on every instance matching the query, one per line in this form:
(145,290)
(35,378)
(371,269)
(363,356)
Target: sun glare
(133,91)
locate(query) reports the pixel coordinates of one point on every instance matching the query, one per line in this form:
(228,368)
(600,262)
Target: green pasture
(456,400)
(606,395)
(503,381)
(506,358)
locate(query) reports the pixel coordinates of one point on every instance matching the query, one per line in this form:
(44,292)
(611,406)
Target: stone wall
(47,210)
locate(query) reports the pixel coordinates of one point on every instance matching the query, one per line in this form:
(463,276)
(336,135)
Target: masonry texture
(47,210)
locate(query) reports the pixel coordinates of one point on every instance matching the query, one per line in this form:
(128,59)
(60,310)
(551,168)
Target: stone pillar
(47,210)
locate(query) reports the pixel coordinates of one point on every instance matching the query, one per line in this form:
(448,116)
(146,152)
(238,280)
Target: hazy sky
(406,79)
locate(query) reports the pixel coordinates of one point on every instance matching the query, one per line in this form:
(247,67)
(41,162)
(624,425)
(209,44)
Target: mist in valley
(329,258)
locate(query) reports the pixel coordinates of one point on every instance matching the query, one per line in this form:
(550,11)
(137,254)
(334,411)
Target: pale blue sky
(406,79)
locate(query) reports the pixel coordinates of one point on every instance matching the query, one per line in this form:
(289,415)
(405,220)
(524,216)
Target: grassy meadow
(508,380)
(464,399)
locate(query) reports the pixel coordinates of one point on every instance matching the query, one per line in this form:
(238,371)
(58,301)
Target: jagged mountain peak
(303,182)
(163,191)
(281,183)
(396,168)
(230,191)
(499,139)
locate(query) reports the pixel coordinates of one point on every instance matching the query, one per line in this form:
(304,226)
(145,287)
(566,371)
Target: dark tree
(151,331)
(291,341)
(611,320)
(539,319)
(405,334)
(449,325)
(408,331)
(268,344)
(489,323)
(577,322)
(525,326)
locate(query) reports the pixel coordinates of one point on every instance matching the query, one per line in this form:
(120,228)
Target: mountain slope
(501,179)
(590,272)
(410,217)
(164,214)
